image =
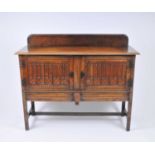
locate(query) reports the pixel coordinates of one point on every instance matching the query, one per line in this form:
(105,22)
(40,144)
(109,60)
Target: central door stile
(82,73)
(71,74)
(77,69)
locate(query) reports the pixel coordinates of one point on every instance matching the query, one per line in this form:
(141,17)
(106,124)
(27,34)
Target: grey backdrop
(14,29)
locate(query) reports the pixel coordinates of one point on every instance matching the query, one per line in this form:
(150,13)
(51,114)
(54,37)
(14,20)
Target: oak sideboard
(80,67)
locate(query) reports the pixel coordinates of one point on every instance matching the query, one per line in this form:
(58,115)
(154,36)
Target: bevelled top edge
(78,51)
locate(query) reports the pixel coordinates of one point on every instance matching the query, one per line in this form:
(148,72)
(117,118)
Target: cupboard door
(47,73)
(105,73)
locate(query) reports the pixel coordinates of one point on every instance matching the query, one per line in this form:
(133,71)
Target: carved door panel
(105,73)
(48,73)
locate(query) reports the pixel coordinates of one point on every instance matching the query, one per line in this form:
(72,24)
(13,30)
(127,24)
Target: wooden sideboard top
(77,44)
(77,51)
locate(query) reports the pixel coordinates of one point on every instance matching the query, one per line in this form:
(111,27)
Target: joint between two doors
(78,69)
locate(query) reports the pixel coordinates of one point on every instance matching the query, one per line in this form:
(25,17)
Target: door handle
(71,74)
(82,75)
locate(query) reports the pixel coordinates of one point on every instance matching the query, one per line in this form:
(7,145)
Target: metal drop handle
(71,74)
(82,75)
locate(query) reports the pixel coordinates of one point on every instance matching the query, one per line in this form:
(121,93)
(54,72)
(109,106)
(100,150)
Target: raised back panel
(51,40)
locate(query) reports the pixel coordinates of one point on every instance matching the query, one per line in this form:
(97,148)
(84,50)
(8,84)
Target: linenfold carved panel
(43,73)
(105,73)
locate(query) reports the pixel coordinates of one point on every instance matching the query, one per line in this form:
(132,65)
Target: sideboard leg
(32,108)
(26,116)
(123,108)
(129,115)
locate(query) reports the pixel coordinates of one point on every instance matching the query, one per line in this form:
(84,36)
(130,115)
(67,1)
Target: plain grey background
(14,29)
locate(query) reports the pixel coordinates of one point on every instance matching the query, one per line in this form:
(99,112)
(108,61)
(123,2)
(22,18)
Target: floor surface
(74,128)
